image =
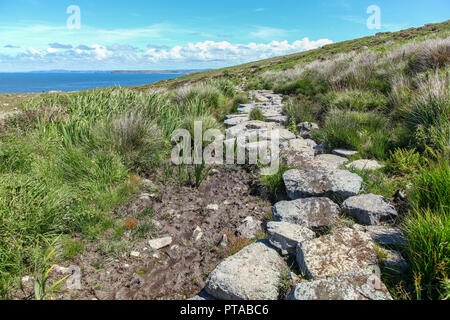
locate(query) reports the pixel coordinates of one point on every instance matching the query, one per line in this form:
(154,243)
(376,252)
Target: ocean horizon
(36,82)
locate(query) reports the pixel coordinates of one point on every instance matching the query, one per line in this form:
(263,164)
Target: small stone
(223,241)
(305,129)
(197,234)
(157,244)
(344,152)
(369,209)
(74,281)
(364,165)
(213,207)
(135,254)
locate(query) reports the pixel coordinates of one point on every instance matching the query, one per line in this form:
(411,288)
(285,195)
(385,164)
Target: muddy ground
(109,269)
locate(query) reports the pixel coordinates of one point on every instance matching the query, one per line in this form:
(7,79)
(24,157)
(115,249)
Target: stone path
(341,265)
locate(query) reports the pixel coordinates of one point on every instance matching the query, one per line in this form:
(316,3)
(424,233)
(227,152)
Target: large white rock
(354,285)
(369,209)
(309,212)
(286,236)
(251,274)
(336,184)
(342,251)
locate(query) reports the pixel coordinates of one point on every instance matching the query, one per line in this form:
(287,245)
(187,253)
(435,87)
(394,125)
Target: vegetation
(68,160)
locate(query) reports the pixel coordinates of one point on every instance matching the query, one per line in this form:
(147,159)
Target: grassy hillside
(69,160)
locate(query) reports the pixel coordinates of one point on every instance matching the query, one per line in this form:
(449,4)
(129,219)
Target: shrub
(256,114)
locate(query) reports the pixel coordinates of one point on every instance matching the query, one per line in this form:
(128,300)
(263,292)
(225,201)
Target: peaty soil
(111,269)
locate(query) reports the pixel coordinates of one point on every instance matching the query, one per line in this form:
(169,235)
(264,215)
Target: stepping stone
(286,236)
(305,129)
(342,251)
(277,119)
(394,262)
(251,274)
(282,134)
(335,184)
(333,161)
(309,213)
(355,285)
(364,165)
(235,121)
(369,209)
(157,244)
(344,152)
(387,236)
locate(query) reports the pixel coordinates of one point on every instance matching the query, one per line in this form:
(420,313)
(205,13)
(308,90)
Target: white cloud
(191,55)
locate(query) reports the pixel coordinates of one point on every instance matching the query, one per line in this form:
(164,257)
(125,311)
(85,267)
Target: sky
(196,34)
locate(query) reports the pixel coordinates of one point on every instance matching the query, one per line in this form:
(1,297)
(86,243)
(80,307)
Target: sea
(34,82)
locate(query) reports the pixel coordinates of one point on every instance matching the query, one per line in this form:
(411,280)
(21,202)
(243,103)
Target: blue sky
(155,34)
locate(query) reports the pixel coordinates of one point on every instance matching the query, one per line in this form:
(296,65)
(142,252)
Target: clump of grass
(72,248)
(301,111)
(432,186)
(404,161)
(358,100)
(367,133)
(256,114)
(428,233)
(274,184)
(429,117)
(237,101)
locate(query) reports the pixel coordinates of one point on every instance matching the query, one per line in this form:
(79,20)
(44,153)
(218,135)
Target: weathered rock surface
(309,212)
(339,184)
(355,285)
(332,161)
(389,236)
(286,236)
(251,274)
(343,251)
(305,129)
(160,243)
(394,262)
(369,209)
(344,152)
(364,165)
(250,228)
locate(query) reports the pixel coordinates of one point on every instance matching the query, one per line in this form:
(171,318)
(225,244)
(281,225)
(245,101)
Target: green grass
(256,114)
(63,170)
